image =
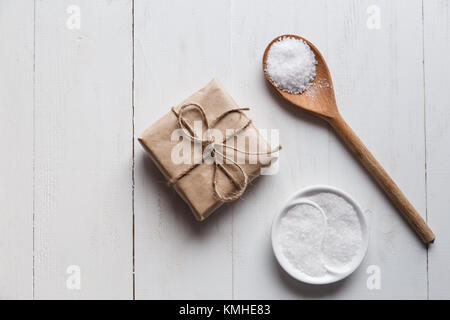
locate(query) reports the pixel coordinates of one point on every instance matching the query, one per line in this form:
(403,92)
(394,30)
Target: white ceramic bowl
(332,275)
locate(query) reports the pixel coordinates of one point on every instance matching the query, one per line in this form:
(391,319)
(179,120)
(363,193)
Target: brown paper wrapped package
(196,188)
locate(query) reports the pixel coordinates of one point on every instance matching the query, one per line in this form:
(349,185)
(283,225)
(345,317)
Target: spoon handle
(382,178)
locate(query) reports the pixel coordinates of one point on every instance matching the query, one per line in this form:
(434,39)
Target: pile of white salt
(291,65)
(313,240)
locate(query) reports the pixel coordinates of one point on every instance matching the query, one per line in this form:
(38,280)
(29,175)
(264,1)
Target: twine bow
(209,142)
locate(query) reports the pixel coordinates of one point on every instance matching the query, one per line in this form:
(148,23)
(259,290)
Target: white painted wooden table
(85,214)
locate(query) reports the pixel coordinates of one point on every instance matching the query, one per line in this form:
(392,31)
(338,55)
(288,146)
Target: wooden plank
(437,78)
(83,150)
(256,273)
(176,53)
(376,72)
(16,141)
(378,76)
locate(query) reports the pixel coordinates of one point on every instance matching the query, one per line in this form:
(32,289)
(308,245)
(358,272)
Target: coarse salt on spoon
(319,100)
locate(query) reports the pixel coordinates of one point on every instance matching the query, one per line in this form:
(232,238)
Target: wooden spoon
(319,100)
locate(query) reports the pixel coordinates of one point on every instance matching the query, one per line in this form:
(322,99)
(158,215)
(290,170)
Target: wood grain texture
(83,150)
(16,142)
(437,110)
(83,144)
(377,75)
(177,52)
(256,272)
(319,99)
(365,88)
(380,175)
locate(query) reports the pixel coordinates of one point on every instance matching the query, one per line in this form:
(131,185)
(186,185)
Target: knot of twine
(240,184)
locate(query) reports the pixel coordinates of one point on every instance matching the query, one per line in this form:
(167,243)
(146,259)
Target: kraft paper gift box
(194,180)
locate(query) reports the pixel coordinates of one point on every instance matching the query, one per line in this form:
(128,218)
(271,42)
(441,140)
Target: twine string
(240,184)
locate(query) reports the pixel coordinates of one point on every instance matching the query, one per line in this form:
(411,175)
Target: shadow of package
(208,149)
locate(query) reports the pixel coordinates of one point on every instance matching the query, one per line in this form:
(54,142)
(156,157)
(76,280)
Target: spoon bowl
(319,99)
